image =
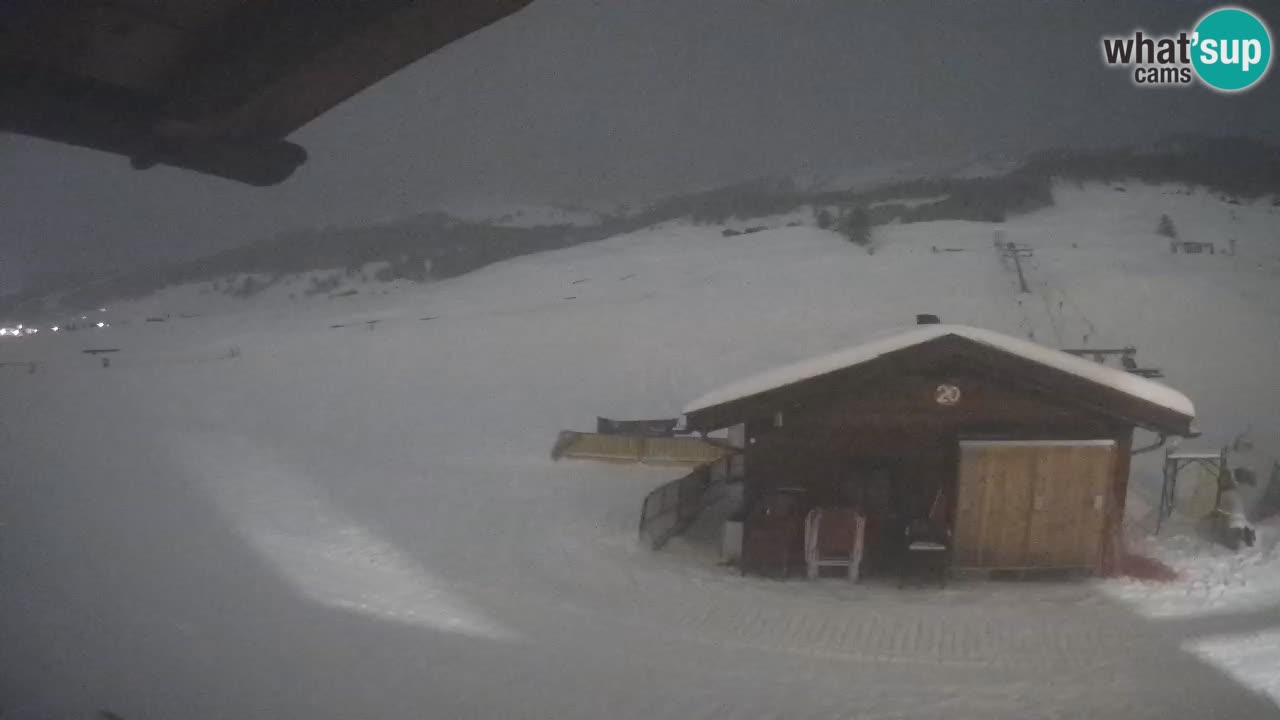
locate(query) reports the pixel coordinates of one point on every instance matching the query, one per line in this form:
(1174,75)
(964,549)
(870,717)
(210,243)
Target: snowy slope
(346,518)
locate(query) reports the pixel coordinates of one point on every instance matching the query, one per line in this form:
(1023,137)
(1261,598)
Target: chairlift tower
(1017,252)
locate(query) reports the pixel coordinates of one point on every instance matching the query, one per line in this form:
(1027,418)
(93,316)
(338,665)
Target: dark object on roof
(1098,353)
(927,319)
(1131,365)
(642,428)
(213,86)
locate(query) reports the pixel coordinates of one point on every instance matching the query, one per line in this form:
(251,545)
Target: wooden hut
(1018,453)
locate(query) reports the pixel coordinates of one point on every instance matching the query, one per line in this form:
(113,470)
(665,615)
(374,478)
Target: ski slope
(344,506)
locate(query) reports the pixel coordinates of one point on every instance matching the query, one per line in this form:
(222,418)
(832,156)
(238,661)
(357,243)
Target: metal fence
(673,507)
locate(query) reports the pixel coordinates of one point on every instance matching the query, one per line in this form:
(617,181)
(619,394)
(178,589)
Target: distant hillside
(1237,167)
(437,245)
(426,246)
(526,215)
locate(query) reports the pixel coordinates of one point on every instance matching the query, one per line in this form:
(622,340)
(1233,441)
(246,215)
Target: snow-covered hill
(344,506)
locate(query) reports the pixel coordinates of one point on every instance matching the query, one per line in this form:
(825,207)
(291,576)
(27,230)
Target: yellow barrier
(633,449)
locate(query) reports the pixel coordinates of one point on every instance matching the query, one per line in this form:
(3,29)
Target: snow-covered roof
(1128,383)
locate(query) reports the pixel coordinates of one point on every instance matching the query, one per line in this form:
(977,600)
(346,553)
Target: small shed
(1018,451)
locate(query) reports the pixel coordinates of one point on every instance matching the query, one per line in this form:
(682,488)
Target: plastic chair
(833,537)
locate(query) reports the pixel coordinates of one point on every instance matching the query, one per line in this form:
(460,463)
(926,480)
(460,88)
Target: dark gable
(899,387)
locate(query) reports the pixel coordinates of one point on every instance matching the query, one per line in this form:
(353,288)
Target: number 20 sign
(946,395)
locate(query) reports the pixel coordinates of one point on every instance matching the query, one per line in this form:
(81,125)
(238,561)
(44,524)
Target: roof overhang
(214,86)
(1050,374)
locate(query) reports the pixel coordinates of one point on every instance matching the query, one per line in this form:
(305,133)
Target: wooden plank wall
(1028,510)
(1034,506)
(1112,552)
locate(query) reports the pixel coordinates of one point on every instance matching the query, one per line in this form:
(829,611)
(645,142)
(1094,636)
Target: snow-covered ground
(279,509)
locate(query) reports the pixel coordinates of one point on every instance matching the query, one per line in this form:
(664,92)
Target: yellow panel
(1043,535)
(680,450)
(1073,479)
(625,448)
(1198,498)
(992,503)
(1031,505)
(1012,516)
(970,485)
(1095,504)
(605,447)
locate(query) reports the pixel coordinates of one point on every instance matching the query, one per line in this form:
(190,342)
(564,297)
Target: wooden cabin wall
(826,459)
(1113,541)
(902,422)
(824,444)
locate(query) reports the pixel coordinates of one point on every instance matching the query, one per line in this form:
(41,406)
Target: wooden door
(1032,504)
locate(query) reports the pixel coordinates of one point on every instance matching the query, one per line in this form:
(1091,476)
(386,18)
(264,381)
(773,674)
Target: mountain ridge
(436,244)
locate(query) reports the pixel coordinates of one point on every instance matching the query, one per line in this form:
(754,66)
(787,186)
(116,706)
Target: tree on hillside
(824,219)
(1166,228)
(248,287)
(855,224)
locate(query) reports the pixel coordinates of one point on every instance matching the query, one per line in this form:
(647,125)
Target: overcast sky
(600,101)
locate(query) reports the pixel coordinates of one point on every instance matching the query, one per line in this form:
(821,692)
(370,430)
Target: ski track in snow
(363,522)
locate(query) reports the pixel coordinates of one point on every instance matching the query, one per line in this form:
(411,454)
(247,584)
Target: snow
(1215,581)
(1133,385)
(1222,606)
(356,522)
(1250,657)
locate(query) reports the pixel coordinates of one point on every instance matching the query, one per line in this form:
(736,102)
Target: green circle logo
(1231,49)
